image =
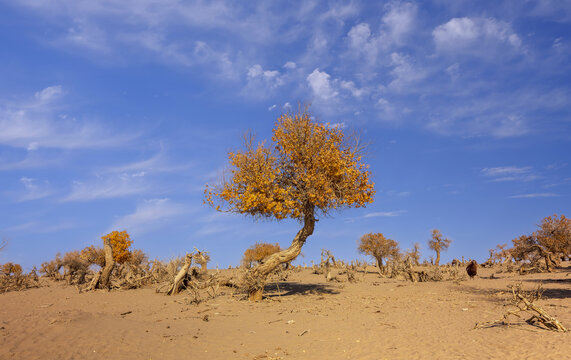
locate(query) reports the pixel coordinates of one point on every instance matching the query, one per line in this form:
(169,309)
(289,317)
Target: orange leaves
(309,165)
(120,243)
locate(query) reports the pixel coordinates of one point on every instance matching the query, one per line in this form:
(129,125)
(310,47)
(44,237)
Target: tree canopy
(379,247)
(308,167)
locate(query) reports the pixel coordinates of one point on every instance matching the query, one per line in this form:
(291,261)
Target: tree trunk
(109,265)
(437,261)
(177,283)
(259,273)
(380,265)
(101,280)
(550,262)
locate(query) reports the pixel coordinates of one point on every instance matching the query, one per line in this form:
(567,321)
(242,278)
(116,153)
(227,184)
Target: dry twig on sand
(524,302)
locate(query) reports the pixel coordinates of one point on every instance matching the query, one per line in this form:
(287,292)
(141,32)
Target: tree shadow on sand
(550,292)
(291,288)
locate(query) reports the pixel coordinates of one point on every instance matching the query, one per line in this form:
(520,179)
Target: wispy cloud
(385,214)
(158,163)
(150,215)
(510,173)
(534,195)
(34,189)
(40,122)
(107,187)
(40,227)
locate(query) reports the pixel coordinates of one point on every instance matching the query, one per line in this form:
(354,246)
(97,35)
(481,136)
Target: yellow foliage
(308,166)
(379,247)
(258,252)
(120,242)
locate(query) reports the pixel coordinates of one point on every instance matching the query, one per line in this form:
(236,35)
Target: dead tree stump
(177,284)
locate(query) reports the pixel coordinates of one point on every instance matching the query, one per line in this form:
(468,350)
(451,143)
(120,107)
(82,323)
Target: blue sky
(115,114)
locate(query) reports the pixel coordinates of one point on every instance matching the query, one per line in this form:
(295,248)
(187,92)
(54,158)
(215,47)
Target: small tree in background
(309,169)
(438,243)
(378,247)
(551,241)
(414,254)
(256,253)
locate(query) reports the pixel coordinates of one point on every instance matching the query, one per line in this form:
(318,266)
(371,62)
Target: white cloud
(290,65)
(158,163)
(404,72)
(399,21)
(34,189)
(262,83)
(350,86)
(453,71)
(321,85)
(510,173)
(150,215)
(36,124)
(474,35)
(49,93)
(107,187)
(386,213)
(41,227)
(534,195)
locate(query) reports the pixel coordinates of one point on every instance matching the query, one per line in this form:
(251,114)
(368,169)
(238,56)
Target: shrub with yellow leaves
(120,242)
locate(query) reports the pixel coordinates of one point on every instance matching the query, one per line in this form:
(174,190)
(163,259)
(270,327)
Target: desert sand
(305,317)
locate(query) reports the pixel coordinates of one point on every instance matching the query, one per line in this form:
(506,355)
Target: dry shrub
(51,269)
(256,253)
(93,255)
(13,278)
(524,302)
(75,268)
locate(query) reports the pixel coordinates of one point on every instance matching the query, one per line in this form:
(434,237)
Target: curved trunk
(259,273)
(178,280)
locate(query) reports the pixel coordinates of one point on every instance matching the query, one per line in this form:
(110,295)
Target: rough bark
(109,265)
(261,271)
(179,278)
(380,265)
(101,280)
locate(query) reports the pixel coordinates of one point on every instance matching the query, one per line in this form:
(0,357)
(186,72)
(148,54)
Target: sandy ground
(308,318)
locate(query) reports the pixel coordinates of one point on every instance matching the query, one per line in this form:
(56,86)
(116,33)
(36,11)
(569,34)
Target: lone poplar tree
(438,243)
(379,247)
(308,170)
